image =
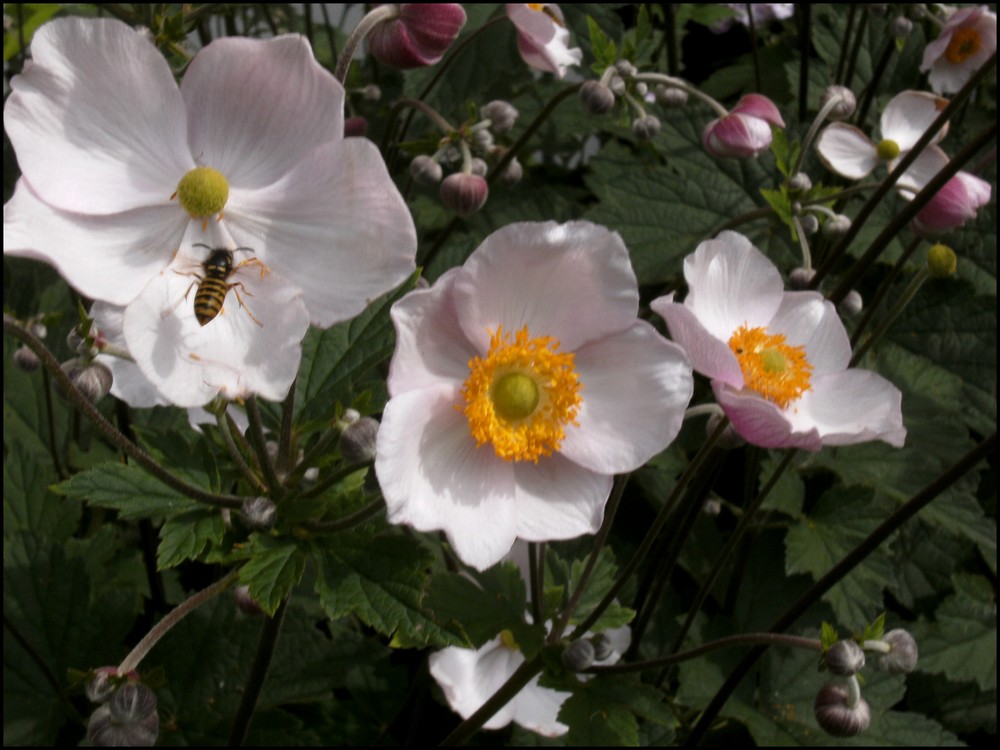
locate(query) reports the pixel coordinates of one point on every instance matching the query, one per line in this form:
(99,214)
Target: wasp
(214,285)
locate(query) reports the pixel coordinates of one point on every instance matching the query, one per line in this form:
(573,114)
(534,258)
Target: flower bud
(371,93)
(26,359)
(845,658)
(464,193)
(425,171)
(482,139)
(646,128)
(901,27)
(851,305)
(357,441)
(626,68)
(903,654)
(104,731)
(836,226)
(670,96)
(578,655)
(800,278)
(355,127)
(617,85)
(259,513)
(101,685)
(512,173)
(711,508)
(954,204)
(92,380)
(603,647)
(809,224)
(845,105)
(132,702)
(835,716)
(479,167)
(800,182)
(501,114)
(419,36)
(745,131)
(245,602)
(641,89)
(596,98)
(39,329)
(941,261)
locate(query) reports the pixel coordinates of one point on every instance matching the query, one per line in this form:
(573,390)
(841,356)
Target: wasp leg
(264,270)
(236,290)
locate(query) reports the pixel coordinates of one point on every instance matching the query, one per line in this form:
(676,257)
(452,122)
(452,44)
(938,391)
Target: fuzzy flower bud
(835,716)
(670,96)
(941,261)
(809,223)
(355,127)
(617,85)
(132,702)
(419,36)
(425,171)
(92,380)
(845,105)
(464,194)
(800,182)
(129,718)
(357,442)
(626,68)
(836,226)
(100,687)
(26,360)
(851,305)
(245,602)
(482,139)
(371,93)
(845,658)
(800,278)
(745,131)
(578,655)
(512,173)
(900,27)
(603,647)
(903,654)
(596,98)
(259,513)
(646,128)
(502,114)
(479,167)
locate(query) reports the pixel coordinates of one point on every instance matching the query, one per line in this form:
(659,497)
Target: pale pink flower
(510,409)
(955,203)
(777,360)
(967,39)
(763,13)
(419,36)
(745,131)
(542,37)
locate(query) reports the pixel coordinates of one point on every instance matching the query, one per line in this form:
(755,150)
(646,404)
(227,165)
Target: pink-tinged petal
(533,21)
(928,163)
(430,344)
(420,36)
(537,708)
(96,119)
(709,355)
(737,135)
(434,477)
(246,121)
(757,105)
(954,204)
(908,115)
(335,225)
(946,76)
(543,41)
(233,354)
(128,383)
(937,48)
(636,386)
(853,406)
(572,281)
(762,422)
(731,283)
(470,677)
(844,149)
(111,258)
(810,320)
(557,499)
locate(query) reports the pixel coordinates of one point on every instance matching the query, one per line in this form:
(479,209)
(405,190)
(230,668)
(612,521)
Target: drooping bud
(512,173)
(800,278)
(603,647)
(641,89)
(464,193)
(578,655)
(419,36)
(846,102)
(259,513)
(482,139)
(501,114)
(835,716)
(809,223)
(596,98)
(836,226)
(617,85)
(955,203)
(745,131)
(92,380)
(245,602)
(646,128)
(371,93)
(132,702)
(851,305)
(26,359)
(355,127)
(479,167)
(941,261)
(101,685)
(800,181)
(626,68)
(425,171)
(901,27)
(845,658)
(903,653)
(670,96)
(128,719)
(357,441)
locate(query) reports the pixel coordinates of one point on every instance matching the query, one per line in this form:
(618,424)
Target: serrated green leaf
(275,567)
(567,575)
(127,489)
(828,635)
(874,630)
(602,47)
(28,504)
(782,205)
(603,711)
(185,536)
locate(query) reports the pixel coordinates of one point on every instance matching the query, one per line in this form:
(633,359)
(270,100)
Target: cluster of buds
(619,81)
(24,357)
(127,714)
(470,147)
(90,377)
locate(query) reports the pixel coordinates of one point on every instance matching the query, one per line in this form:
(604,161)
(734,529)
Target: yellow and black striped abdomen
(213,287)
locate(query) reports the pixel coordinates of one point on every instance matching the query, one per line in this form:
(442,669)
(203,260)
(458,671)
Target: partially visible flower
(355,127)
(850,153)
(777,360)
(418,36)
(745,131)
(510,410)
(542,37)
(967,39)
(762,13)
(954,204)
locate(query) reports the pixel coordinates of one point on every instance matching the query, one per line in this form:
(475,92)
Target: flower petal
(737,135)
(128,383)
(762,422)
(629,413)
(928,163)
(853,406)
(542,40)
(470,677)
(335,225)
(847,151)
(246,120)
(96,119)
(110,258)
(434,477)
(573,281)
(536,708)
(558,499)
(709,355)
(810,320)
(759,106)
(908,115)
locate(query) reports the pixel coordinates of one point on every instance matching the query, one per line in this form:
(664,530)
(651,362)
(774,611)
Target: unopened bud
(836,226)
(800,278)
(578,655)
(128,719)
(357,442)
(259,513)
(625,68)
(245,602)
(39,329)
(846,102)
(711,508)
(809,224)
(903,653)
(26,359)
(835,716)
(101,685)
(941,261)
(512,173)
(425,171)
(355,127)
(845,658)
(371,93)
(800,182)
(852,304)
(92,380)
(603,647)
(641,89)
(482,139)
(596,98)
(502,114)
(132,702)
(464,193)
(901,27)
(617,85)
(670,96)
(646,128)
(479,167)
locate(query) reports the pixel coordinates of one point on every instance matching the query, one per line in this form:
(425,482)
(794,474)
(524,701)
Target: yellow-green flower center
(203,192)
(964,44)
(941,261)
(508,641)
(887,150)
(521,395)
(777,371)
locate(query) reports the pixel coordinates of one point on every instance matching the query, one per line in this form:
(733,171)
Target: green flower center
(203,192)
(515,396)
(887,150)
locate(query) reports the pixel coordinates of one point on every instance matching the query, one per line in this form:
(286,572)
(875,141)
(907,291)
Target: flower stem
(222,419)
(536,577)
(347,522)
(339,475)
(256,434)
(803,12)
(883,61)
(285,431)
(752,28)
(873,304)
(859,38)
(894,313)
(679,83)
(432,114)
(845,43)
(108,430)
(372,19)
(173,617)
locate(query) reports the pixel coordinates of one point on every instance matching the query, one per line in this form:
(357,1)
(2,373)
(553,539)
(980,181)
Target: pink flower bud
(355,127)
(955,203)
(464,193)
(745,131)
(419,36)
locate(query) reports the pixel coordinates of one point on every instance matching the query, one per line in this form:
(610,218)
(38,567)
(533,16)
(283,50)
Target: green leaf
(380,580)
(35,14)
(186,535)
(603,48)
(273,570)
(567,576)
(782,205)
(127,489)
(28,504)
(828,635)
(785,153)
(603,711)
(874,630)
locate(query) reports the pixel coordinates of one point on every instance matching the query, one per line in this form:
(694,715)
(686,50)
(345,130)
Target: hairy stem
(269,633)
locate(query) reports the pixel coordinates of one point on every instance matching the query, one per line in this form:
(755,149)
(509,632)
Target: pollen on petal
(777,371)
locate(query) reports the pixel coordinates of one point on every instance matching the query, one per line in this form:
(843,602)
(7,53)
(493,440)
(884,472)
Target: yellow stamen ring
(964,44)
(777,371)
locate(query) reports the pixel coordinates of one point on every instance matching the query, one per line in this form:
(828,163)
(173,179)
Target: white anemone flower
(521,382)
(129,184)
(850,153)
(778,360)
(967,39)
(542,37)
